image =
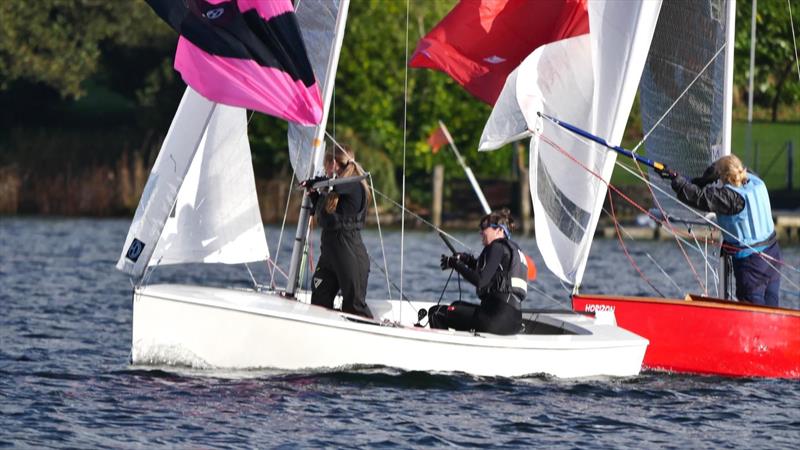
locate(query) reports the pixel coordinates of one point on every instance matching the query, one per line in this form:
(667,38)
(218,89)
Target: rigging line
(625,248)
(408,211)
(625,231)
(255,283)
(705,257)
(611,186)
(418,217)
(543,293)
(382,269)
(666,218)
(794,39)
(405,125)
(712,224)
(664,116)
(280,236)
(674,198)
(380,235)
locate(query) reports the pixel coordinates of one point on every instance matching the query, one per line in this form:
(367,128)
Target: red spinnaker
(246,53)
(481,41)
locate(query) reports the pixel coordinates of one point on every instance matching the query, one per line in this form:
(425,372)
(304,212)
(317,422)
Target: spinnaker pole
(622,151)
(318,151)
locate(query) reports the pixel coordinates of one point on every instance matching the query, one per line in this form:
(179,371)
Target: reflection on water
(65,380)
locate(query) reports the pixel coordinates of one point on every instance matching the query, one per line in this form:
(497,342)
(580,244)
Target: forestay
(589,81)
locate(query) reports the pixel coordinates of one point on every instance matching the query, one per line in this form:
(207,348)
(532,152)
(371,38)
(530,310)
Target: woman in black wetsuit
(343,263)
(500,277)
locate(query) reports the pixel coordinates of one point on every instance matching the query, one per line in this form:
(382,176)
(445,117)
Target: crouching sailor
(741,202)
(343,262)
(500,277)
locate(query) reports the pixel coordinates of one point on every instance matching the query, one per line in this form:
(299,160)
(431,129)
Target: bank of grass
(770,160)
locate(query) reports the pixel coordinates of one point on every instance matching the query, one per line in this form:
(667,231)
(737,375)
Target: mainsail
(480,42)
(589,81)
(317,19)
(690,43)
(246,53)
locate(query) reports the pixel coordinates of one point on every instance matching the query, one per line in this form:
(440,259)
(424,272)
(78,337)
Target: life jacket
(338,221)
(752,226)
(512,279)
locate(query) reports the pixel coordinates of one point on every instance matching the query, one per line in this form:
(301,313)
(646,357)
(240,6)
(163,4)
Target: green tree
(776,81)
(58,42)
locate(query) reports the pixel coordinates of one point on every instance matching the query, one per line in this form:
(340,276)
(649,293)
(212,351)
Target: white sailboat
(205,159)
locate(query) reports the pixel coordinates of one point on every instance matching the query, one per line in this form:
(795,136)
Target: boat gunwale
(696,301)
(622,339)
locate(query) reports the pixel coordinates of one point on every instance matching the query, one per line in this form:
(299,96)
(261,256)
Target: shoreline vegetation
(84,118)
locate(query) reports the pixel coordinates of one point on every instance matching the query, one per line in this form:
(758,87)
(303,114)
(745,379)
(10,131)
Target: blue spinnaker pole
(567,126)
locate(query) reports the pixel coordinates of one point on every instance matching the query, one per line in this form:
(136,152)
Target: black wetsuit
(757,280)
(500,309)
(343,262)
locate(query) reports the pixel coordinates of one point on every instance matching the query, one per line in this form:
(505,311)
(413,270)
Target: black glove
(667,173)
(447,262)
(466,258)
(309,184)
(708,177)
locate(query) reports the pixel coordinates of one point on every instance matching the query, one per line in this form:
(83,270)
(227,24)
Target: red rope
(628,199)
(625,249)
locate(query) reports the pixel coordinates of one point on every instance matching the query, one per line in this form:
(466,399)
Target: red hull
(708,336)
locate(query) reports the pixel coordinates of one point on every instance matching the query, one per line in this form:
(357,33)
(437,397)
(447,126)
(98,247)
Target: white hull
(238,329)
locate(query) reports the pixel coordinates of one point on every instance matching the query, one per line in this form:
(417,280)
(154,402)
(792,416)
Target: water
(65,380)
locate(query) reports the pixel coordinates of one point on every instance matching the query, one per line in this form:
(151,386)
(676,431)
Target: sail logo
(494,59)
(215,13)
(135,250)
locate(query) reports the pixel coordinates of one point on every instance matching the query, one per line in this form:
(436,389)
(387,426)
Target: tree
(776,81)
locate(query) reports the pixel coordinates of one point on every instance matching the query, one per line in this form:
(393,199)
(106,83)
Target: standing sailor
(343,263)
(500,277)
(744,214)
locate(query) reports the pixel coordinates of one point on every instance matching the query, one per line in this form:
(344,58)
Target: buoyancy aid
(512,279)
(338,220)
(752,226)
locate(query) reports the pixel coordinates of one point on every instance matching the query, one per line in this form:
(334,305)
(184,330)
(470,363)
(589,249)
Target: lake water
(65,380)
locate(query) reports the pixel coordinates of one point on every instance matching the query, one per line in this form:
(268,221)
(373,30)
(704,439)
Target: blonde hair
(731,170)
(348,167)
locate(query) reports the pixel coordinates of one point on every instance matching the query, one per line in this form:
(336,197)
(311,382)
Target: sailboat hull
(238,329)
(708,336)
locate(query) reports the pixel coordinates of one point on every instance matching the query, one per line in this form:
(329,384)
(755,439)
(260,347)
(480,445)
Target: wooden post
(524,190)
(438,184)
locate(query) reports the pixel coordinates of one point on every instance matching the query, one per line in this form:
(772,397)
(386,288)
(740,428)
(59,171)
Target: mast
(727,110)
(318,150)
(728,87)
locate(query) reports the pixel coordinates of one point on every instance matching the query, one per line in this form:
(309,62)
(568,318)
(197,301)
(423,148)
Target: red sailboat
(708,336)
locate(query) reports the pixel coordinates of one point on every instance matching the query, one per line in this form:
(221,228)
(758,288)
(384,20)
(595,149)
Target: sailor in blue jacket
(741,202)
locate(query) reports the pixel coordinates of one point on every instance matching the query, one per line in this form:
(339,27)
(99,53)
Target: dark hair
(498,217)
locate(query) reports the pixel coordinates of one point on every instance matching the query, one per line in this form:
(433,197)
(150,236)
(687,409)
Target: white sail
(317,19)
(166,177)
(621,35)
(589,81)
(216,217)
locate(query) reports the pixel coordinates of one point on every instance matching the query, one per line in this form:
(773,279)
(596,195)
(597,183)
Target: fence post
(438,184)
(789,164)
